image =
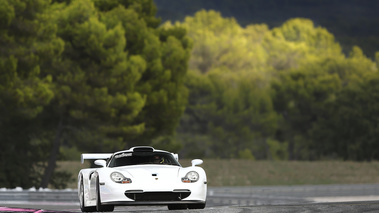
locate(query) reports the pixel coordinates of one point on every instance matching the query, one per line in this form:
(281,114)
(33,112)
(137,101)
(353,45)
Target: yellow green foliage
(263,89)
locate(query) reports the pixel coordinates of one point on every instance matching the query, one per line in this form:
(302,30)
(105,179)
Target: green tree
(93,81)
(310,70)
(243,117)
(351,132)
(226,110)
(348,127)
(298,41)
(300,96)
(308,97)
(229,102)
(120,78)
(28,46)
(222,43)
(230,69)
(98,75)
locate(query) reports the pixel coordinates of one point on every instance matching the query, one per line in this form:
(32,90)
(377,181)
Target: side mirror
(176,156)
(101,163)
(196,162)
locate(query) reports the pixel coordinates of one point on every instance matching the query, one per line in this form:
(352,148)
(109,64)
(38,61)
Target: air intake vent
(176,195)
(143,149)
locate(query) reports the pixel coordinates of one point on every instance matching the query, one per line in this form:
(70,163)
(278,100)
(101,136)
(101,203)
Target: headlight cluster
(119,178)
(191,177)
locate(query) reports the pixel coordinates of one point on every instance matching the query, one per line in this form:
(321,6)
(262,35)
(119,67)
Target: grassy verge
(264,173)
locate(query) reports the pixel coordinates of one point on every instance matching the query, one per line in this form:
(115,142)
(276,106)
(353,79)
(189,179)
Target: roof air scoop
(143,149)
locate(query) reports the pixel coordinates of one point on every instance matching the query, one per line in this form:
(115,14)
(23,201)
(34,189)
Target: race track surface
(282,199)
(358,207)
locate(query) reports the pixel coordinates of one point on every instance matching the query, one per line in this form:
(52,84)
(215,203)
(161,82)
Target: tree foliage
(229,109)
(28,46)
(352,22)
(103,75)
(98,75)
(267,91)
(348,125)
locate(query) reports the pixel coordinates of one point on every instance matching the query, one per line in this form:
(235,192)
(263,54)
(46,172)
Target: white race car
(141,176)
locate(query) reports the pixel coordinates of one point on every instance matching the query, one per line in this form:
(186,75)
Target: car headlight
(119,178)
(191,177)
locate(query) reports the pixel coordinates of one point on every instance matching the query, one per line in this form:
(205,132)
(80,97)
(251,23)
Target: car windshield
(138,158)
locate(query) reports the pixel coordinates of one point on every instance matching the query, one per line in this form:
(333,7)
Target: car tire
(196,206)
(81,199)
(177,206)
(99,207)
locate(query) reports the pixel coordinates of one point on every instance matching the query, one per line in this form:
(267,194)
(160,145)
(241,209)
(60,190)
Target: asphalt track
(282,199)
(367,206)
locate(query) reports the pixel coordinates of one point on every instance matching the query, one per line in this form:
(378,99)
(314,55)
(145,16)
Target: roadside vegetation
(100,76)
(340,18)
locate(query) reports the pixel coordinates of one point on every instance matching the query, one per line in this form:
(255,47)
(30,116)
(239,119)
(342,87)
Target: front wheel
(99,207)
(81,200)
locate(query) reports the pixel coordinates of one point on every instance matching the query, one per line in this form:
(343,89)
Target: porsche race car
(141,176)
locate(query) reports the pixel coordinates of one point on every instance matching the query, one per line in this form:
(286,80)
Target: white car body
(136,180)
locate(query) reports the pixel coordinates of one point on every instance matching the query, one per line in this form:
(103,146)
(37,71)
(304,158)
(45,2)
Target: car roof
(141,149)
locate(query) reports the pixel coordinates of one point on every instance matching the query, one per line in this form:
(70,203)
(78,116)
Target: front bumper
(139,195)
(129,194)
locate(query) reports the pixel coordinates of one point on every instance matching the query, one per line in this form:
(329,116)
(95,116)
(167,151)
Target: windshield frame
(142,158)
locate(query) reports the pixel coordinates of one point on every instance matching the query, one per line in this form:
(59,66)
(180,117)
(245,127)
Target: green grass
(265,173)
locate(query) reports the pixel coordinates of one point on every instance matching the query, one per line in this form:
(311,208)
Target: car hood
(160,171)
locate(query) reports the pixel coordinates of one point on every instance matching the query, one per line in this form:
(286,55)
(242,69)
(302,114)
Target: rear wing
(95,156)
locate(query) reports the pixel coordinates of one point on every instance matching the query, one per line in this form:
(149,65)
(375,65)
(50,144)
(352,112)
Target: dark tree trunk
(53,157)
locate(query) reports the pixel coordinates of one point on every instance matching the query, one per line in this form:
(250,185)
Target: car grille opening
(139,195)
